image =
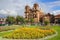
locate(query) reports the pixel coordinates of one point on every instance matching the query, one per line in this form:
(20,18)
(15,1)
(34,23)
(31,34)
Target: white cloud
(18,6)
(55,3)
(56,12)
(8,12)
(48,7)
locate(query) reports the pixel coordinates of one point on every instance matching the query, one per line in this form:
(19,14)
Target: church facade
(36,13)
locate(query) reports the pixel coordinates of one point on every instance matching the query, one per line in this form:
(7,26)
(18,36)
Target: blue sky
(47,1)
(51,5)
(16,7)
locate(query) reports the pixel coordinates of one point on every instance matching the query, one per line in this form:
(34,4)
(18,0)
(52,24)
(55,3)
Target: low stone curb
(45,38)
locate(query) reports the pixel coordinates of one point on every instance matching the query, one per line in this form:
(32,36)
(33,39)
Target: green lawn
(57,28)
(4,33)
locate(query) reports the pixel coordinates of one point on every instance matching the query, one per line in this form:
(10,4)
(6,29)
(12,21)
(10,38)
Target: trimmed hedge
(2,24)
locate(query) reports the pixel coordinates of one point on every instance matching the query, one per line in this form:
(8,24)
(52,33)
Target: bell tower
(36,12)
(35,7)
(27,11)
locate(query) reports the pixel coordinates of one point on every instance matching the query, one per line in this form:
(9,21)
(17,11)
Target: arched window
(35,16)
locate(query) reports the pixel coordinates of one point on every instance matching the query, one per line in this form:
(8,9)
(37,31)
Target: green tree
(31,20)
(19,20)
(26,21)
(10,20)
(46,21)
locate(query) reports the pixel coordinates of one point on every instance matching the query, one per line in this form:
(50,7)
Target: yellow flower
(29,33)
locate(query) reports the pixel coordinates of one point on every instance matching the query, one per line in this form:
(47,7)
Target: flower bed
(29,33)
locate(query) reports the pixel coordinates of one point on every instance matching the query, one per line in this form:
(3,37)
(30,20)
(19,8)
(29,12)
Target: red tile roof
(57,16)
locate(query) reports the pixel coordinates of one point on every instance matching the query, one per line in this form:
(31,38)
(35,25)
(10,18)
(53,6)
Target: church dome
(36,5)
(27,7)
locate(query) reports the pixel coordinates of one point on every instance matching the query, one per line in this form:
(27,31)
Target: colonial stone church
(36,13)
